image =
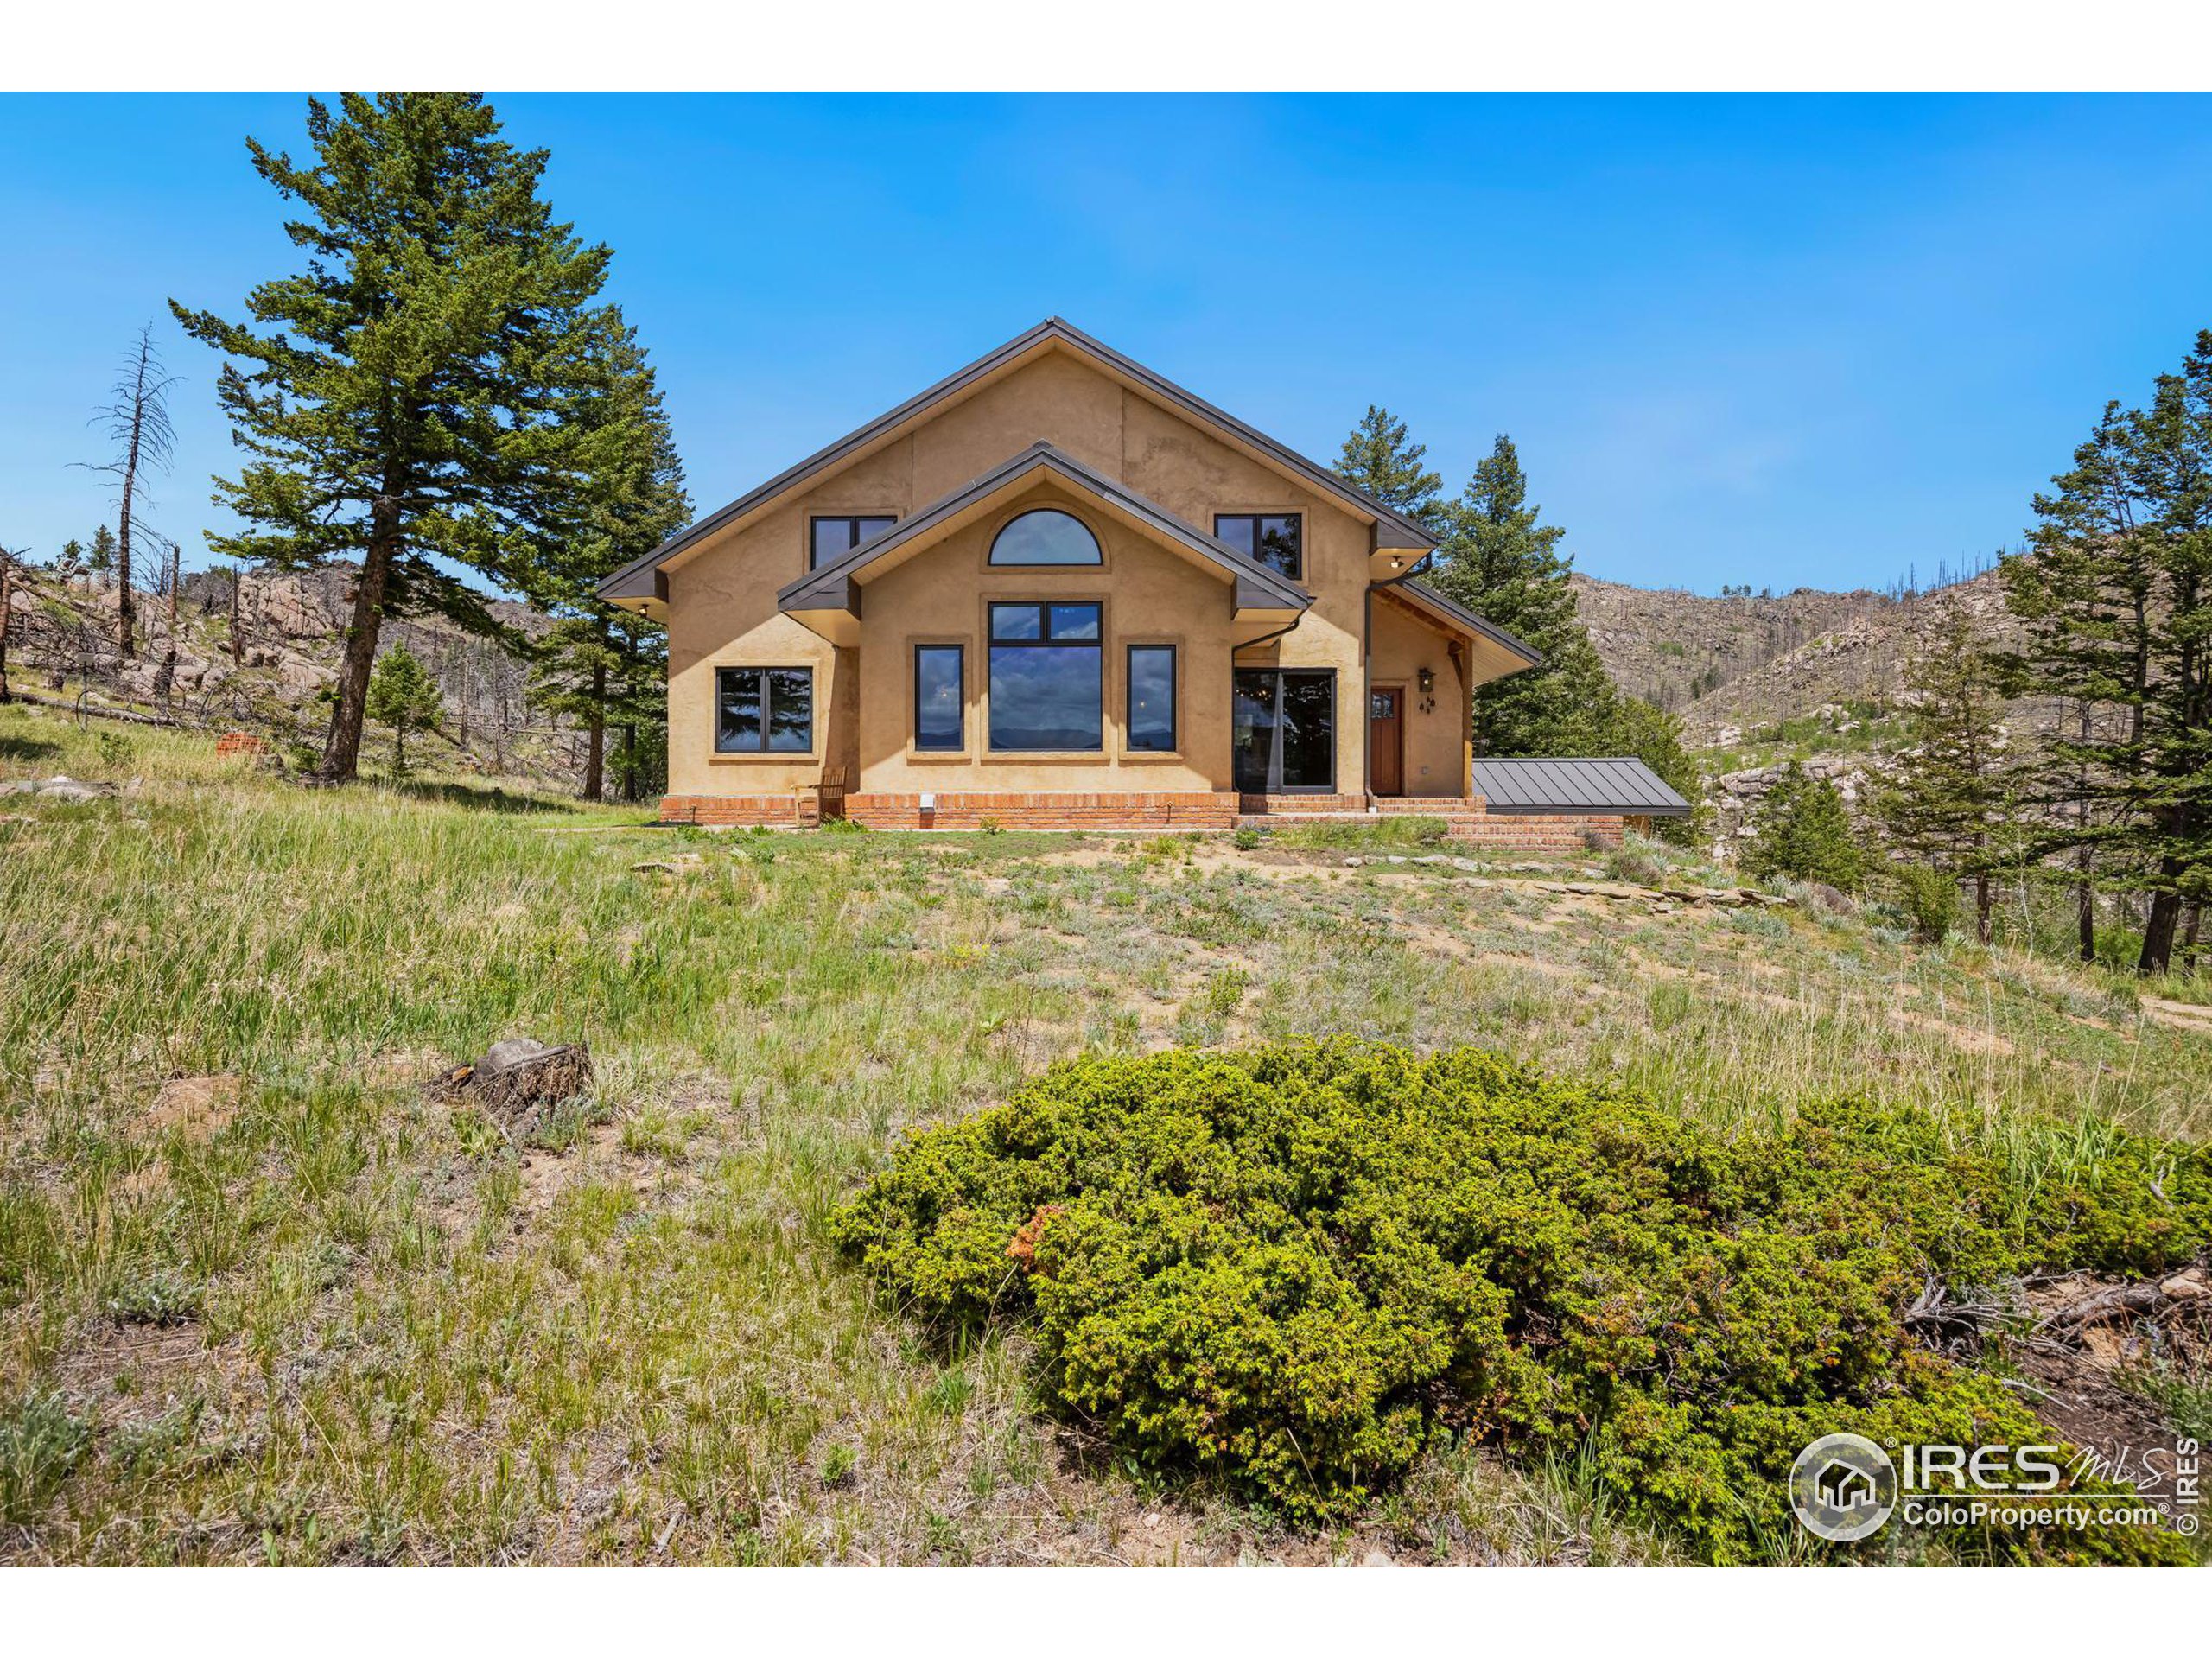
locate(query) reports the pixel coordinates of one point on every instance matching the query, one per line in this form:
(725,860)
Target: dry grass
(262,1298)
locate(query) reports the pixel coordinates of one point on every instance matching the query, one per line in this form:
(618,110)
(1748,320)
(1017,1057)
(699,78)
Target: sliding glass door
(1285,730)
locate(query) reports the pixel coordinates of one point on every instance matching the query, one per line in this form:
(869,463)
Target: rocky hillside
(274,674)
(1673,648)
(1812,676)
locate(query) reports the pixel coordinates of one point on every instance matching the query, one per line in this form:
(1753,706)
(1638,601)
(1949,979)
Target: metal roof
(1622,784)
(827,584)
(1393,529)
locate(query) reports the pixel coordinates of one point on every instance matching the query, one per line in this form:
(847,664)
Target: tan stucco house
(1056,588)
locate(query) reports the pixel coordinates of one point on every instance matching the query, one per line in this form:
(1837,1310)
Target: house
(1056,589)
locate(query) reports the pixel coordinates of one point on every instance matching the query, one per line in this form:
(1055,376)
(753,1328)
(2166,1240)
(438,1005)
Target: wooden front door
(1386,741)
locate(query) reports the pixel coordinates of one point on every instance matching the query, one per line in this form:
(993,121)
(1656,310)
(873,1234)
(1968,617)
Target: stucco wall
(1435,740)
(722,605)
(1147,595)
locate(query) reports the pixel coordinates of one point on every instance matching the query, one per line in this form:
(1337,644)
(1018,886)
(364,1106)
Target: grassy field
(264,1297)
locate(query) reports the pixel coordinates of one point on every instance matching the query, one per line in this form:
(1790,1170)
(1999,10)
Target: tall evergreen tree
(1498,561)
(1380,457)
(1949,801)
(101,558)
(2116,592)
(600,665)
(410,401)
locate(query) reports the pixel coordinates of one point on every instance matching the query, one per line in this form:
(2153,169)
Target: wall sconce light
(1427,681)
(1396,562)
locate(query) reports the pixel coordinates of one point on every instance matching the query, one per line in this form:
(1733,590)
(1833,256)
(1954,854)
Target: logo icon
(1842,1488)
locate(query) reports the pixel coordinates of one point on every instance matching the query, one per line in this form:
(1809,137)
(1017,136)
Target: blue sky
(1775,340)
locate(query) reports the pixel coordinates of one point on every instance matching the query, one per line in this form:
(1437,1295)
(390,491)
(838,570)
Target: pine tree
(71,558)
(403,696)
(600,665)
(1802,829)
(1380,458)
(1497,561)
(2116,592)
(1949,802)
(410,401)
(101,559)
(1655,737)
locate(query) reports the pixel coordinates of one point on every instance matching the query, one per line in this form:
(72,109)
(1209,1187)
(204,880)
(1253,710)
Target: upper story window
(828,538)
(1276,539)
(1045,536)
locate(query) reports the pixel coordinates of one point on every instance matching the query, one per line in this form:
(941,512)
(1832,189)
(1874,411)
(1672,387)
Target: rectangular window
(1283,730)
(938,680)
(764,710)
(1151,698)
(1276,539)
(832,537)
(1047,682)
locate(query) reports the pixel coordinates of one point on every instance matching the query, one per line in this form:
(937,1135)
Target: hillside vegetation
(265,1294)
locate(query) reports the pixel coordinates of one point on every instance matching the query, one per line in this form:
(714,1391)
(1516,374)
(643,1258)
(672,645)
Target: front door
(1386,744)
(1285,731)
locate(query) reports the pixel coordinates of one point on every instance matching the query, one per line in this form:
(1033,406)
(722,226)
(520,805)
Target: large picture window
(828,538)
(1276,539)
(1283,730)
(764,710)
(1047,687)
(1151,698)
(938,722)
(1046,536)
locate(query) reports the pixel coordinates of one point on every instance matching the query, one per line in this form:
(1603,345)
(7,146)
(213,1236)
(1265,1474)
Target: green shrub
(1245,840)
(1802,829)
(1292,1266)
(1930,901)
(116,750)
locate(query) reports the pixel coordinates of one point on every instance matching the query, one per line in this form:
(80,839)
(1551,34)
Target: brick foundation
(1468,820)
(1186,810)
(740,811)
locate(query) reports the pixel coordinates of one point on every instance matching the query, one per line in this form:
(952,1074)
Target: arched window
(1045,536)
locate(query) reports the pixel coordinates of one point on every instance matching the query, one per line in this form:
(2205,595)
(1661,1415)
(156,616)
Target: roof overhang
(1391,530)
(1492,653)
(828,600)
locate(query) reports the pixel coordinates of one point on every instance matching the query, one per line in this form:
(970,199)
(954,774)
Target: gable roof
(1623,785)
(1393,529)
(1257,585)
(1423,597)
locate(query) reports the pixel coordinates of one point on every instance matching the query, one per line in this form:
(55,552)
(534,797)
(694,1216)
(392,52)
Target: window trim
(760,750)
(852,522)
(1255,514)
(1174,744)
(992,642)
(937,751)
(991,561)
